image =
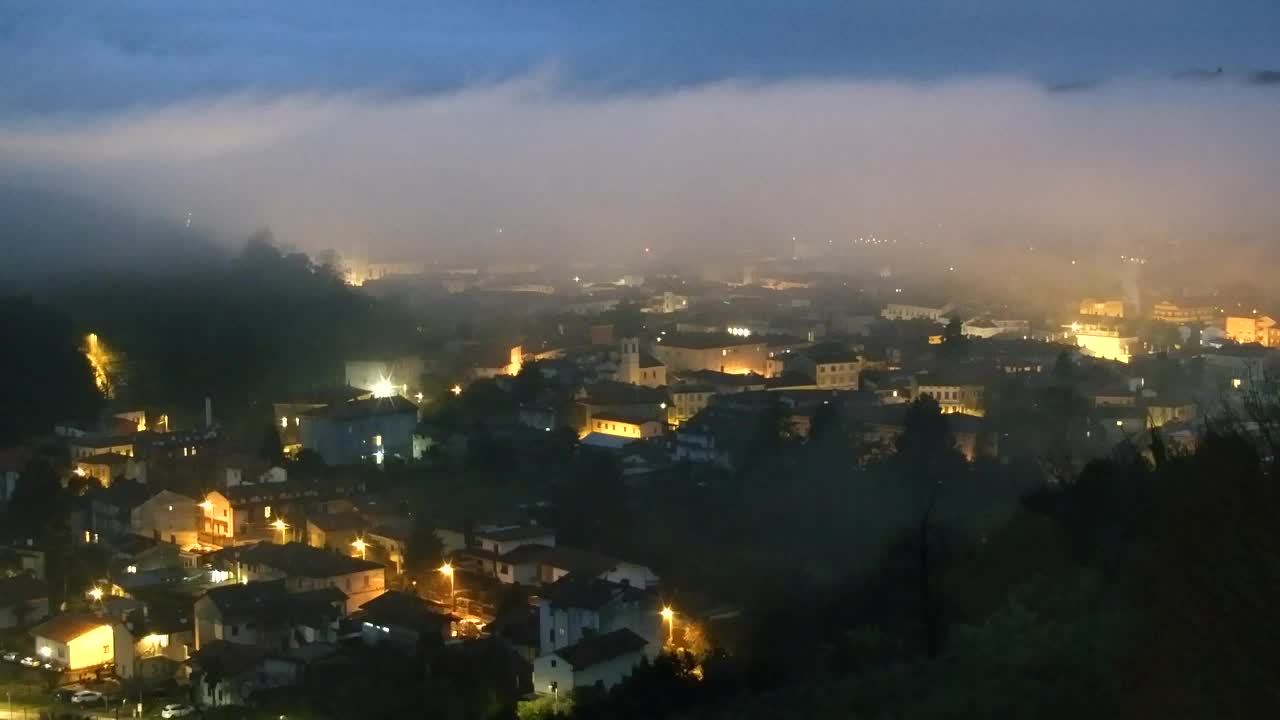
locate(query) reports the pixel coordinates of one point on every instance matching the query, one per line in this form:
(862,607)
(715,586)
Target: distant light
(418,396)
(96,593)
(456,390)
(662,406)
(45,651)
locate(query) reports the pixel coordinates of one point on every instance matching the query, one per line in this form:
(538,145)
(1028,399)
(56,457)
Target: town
(575,490)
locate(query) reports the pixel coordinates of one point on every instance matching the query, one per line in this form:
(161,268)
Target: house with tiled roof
(600,661)
(74,641)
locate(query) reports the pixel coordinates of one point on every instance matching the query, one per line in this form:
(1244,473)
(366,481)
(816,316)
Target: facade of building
(361,431)
(168,517)
(712,351)
(1259,329)
(901,311)
(1108,308)
(599,661)
(74,641)
(625,426)
(1184,313)
(1107,345)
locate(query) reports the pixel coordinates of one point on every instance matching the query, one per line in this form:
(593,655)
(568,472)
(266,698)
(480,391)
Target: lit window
(297,422)
(266,511)
(284,422)
(1236,383)
(377,440)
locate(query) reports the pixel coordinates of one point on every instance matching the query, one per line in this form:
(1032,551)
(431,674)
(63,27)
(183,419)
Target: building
(952,395)
(361,430)
(830,367)
(267,615)
(168,517)
(687,400)
(304,568)
(576,607)
(74,642)
(900,311)
(600,661)
(721,352)
(1107,345)
(107,467)
(1185,313)
(1110,308)
(624,425)
(23,600)
(535,564)
(150,647)
(225,673)
(404,621)
(1260,329)
(335,531)
(636,367)
(216,520)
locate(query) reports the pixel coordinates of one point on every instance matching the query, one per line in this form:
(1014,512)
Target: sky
(411,128)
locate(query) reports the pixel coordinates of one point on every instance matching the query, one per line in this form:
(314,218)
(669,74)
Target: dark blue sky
(79,55)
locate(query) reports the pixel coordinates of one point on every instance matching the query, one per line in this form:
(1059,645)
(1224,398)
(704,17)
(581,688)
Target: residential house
(268,614)
(830,367)
(23,599)
(902,311)
(722,352)
(953,394)
(216,522)
(168,517)
(1109,308)
(1260,329)
(109,511)
(599,661)
(404,621)
(228,674)
(361,430)
(623,425)
(74,641)
(151,647)
(304,568)
(336,531)
(1186,312)
(687,400)
(84,446)
(575,608)
(107,467)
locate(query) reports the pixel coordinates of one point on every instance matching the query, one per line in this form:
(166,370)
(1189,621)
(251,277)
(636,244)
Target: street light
(96,594)
(360,545)
(281,526)
(447,569)
(669,616)
(456,390)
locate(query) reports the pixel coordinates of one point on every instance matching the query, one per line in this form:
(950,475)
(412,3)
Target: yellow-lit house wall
(95,647)
(1107,347)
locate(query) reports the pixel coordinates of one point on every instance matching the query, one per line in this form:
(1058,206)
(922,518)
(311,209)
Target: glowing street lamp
(360,545)
(669,616)
(281,526)
(96,594)
(447,569)
(456,390)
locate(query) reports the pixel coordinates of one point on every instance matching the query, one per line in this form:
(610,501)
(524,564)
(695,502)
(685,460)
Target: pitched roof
(531,553)
(649,361)
(231,659)
(373,407)
(399,608)
(585,592)
(517,532)
(595,649)
(298,560)
(270,601)
(66,627)
(339,521)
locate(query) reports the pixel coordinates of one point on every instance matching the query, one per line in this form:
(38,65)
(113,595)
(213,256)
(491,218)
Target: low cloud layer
(527,164)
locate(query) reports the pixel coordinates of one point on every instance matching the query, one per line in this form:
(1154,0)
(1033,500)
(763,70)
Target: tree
(270,450)
(927,464)
(423,552)
(954,343)
(44,375)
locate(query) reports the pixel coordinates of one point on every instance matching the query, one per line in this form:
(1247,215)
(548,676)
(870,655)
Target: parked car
(11,656)
(86,696)
(63,695)
(177,710)
(30,662)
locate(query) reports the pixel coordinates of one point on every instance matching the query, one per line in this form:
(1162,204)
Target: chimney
(208,411)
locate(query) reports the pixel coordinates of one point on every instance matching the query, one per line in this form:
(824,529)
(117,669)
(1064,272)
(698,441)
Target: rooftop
(299,560)
(372,407)
(587,592)
(270,601)
(515,532)
(332,522)
(707,341)
(595,649)
(66,627)
(399,608)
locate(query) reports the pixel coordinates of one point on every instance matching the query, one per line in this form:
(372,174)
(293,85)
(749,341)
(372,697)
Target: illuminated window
(377,440)
(284,422)
(266,511)
(1236,383)
(297,422)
